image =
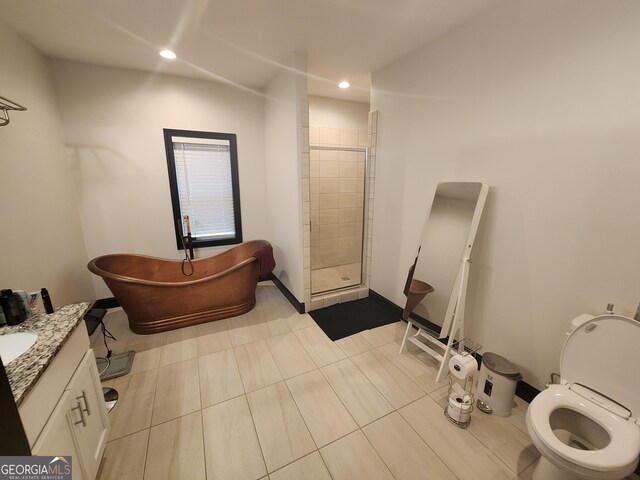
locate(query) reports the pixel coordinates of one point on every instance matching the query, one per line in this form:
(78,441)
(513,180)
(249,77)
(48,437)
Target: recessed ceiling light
(167,54)
(344,84)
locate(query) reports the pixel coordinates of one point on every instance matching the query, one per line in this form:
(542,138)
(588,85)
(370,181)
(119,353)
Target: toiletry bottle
(23,304)
(33,301)
(46,301)
(10,307)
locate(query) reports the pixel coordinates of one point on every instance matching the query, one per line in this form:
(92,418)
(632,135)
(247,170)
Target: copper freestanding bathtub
(157,296)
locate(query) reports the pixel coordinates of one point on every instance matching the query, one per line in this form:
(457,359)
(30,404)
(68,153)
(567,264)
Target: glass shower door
(337,217)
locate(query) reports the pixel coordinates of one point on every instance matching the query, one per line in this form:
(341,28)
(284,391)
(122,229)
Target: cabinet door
(56,438)
(91,434)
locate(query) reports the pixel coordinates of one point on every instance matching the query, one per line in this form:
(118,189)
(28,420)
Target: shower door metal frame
(365,192)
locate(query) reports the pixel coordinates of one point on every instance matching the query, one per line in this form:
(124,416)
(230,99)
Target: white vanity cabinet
(57,437)
(77,425)
(81,416)
(88,415)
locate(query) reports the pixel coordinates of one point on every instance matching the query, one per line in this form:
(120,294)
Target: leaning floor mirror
(437,284)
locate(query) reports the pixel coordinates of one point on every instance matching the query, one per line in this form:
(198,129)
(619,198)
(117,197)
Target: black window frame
(173,185)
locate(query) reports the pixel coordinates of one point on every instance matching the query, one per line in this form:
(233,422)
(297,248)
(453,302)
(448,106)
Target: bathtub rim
(93,268)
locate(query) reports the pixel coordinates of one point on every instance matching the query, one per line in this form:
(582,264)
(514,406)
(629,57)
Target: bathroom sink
(13,345)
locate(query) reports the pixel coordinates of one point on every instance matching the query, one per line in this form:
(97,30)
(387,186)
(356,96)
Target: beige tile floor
(331,278)
(268,395)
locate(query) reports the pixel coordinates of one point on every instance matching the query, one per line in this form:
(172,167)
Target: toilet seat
(620,454)
(602,354)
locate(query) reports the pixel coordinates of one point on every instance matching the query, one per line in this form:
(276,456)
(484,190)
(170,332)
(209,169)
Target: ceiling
(240,41)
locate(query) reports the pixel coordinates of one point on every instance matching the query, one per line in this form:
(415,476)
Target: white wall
(113,120)
(40,232)
(283,149)
(334,113)
(540,100)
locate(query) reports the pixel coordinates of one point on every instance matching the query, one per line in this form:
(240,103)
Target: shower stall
(337,200)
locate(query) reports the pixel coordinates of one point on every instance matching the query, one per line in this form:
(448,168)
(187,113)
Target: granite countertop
(53,332)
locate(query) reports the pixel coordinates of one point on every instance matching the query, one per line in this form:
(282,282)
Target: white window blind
(203,173)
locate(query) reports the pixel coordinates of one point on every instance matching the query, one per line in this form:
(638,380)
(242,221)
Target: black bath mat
(344,319)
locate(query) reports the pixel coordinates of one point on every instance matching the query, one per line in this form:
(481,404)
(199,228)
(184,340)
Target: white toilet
(588,427)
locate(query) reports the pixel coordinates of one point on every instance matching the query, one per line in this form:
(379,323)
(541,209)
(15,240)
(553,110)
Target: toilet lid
(603,354)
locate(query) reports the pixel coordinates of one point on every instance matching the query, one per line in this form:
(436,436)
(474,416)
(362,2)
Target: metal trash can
(497,385)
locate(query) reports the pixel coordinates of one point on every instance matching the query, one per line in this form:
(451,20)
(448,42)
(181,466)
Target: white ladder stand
(454,328)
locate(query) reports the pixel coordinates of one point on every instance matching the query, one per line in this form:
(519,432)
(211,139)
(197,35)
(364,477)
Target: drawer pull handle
(86,402)
(82,420)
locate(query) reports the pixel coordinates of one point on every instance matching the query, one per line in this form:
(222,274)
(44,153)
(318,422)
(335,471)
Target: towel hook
(6,105)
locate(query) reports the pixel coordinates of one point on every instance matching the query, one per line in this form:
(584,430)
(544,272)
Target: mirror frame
(459,290)
(453,324)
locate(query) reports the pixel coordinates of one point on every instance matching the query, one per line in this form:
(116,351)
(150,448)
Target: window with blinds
(203,177)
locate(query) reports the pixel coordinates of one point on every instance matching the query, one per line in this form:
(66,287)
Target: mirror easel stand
(454,328)
(453,325)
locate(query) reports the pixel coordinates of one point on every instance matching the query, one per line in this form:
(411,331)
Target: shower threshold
(336,278)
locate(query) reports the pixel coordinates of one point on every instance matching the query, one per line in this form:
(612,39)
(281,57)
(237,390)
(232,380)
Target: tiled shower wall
(337,196)
(303,135)
(370,191)
(320,301)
